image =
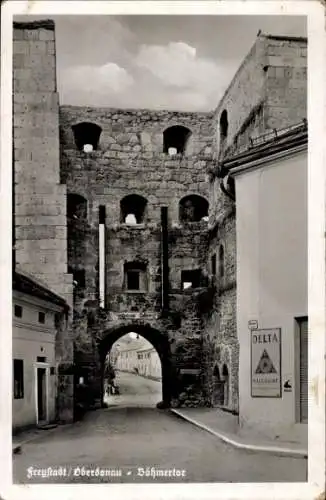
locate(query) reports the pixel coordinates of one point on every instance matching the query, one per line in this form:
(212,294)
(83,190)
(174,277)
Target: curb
(238,444)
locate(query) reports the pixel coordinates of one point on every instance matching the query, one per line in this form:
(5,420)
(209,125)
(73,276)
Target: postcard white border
(316,244)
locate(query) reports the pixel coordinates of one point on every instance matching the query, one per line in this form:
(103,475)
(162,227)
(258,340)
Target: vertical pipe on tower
(102,256)
(164,259)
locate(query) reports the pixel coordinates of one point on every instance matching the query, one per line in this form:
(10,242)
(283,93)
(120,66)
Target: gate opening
(132,373)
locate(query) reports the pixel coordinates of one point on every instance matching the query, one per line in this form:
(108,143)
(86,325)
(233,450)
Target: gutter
(257,162)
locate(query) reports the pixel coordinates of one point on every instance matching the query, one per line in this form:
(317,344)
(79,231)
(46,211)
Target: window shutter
(304,371)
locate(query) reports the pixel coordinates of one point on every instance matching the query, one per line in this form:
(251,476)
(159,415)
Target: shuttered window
(304,371)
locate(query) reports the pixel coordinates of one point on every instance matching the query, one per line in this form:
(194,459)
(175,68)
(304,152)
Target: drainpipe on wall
(164,260)
(102,256)
(13,227)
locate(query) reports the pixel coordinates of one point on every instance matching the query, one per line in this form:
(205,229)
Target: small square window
(18,311)
(18,379)
(190,279)
(133,280)
(41,359)
(41,317)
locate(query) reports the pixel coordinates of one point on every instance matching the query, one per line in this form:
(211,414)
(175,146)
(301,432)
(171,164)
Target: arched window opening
(225,373)
(216,373)
(175,139)
(135,276)
(193,208)
(221,261)
(87,136)
(224,125)
(76,207)
(133,209)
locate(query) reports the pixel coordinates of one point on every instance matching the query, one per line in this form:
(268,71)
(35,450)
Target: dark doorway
(41,394)
(218,388)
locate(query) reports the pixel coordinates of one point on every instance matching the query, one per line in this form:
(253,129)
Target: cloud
(177,64)
(196,82)
(107,79)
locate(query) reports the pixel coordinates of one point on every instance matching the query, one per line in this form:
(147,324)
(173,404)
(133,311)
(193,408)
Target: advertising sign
(266,363)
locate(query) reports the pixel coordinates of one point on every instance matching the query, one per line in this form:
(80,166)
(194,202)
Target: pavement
(289,440)
(131,442)
(132,434)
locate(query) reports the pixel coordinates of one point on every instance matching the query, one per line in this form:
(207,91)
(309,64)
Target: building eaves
(25,284)
(263,147)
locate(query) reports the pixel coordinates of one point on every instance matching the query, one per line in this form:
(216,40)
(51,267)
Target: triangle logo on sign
(265,364)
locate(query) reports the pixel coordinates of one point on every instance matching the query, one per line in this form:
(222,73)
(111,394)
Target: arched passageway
(132,374)
(133,366)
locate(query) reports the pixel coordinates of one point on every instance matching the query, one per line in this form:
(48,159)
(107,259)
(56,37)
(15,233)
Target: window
(133,280)
(76,207)
(87,136)
(101,214)
(41,317)
(18,311)
(193,208)
(175,140)
(135,277)
(133,209)
(57,320)
(221,261)
(191,279)
(18,379)
(79,280)
(224,125)
(41,359)
(216,372)
(213,264)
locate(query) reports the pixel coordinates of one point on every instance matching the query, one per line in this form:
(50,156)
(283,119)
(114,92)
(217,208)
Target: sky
(156,62)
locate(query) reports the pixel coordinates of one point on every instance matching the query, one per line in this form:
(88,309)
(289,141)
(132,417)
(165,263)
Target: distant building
(149,363)
(38,317)
(138,356)
(272,276)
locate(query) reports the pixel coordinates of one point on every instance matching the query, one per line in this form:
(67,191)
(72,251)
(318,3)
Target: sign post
(266,363)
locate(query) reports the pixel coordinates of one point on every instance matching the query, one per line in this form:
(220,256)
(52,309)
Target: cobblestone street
(130,436)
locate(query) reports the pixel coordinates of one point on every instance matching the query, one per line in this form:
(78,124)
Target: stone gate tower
(137,232)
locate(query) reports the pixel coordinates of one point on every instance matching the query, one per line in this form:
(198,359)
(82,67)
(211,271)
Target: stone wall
(130,159)
(268,91)
(129,156)
(39,197)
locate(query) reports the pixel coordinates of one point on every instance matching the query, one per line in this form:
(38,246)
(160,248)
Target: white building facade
(139,357)
(37,312)
(272,287)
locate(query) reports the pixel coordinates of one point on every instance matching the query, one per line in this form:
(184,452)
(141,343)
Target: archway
(132,373)
(159,342)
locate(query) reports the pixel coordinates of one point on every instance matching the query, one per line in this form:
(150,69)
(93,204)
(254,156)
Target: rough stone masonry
(76,166)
